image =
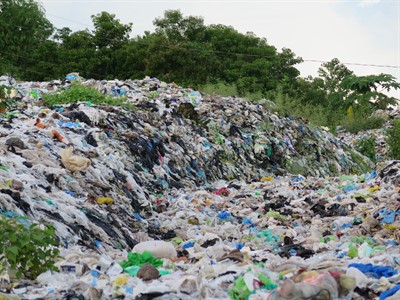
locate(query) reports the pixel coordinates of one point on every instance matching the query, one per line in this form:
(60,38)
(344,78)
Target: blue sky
(354,31)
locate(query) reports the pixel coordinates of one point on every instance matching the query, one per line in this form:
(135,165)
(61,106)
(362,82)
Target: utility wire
(355,64)
(69,20)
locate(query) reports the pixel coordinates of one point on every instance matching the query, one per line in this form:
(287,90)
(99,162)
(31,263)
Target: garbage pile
(380,135)
(96,172)
(194,197)
(381,147)
(280,237)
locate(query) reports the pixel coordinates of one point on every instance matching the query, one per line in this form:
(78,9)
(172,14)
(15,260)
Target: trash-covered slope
(275,238)
(201,183)
(123,162)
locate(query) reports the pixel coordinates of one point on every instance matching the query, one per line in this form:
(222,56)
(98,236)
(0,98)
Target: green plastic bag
(353,251)
(132,270)
(267,282)
(239,290)
(139,259)
(269,237)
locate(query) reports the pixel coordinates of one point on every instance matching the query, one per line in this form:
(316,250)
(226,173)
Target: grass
(359,123)
(226,90)
(79,93)
(393,140)
(366,146)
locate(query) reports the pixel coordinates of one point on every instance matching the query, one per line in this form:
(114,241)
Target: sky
(354,31)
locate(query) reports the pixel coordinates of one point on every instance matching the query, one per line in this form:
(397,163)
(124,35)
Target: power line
(69,20)
(355,64)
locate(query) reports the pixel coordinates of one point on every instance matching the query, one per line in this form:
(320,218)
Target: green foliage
(109,32)
(23,27)
(361,165)
(178,28)
(79,93)
(366,146)
(315,114)
(28,250)
(214,58)
(225,89)
(393,140)
(77,52)
(367,90)
(326,100)
(75,93)
(254,96)
(359,123)
(219,88)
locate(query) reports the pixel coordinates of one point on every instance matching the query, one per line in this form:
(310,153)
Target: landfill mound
(277,238)
(193,197)
(96,171)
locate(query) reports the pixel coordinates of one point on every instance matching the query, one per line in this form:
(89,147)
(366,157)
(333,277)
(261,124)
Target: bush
(393,140)
(359,123)
(220,88)
(79,93)
(28,250)
(225,89)
(75,93)
(366,146)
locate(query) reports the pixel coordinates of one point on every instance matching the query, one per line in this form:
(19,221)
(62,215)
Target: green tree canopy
(368,91)
(109,32)
(176,27)
(23,28)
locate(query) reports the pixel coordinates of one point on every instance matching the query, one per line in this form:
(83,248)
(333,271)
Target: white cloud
(369,2)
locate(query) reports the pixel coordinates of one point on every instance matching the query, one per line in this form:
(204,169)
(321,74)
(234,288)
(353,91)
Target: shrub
(225,89)
(360,123)
(393,140)
(29,250)
(79,93)
(220,88)
(366,146)
(75,93)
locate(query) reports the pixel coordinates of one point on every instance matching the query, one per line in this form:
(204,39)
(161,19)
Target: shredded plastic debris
(194,197)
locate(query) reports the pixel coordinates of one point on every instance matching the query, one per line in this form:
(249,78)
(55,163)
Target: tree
(363,93)
(249,61)
(23,27)
(332,74)
(133,58)
(366,92)
(109,36)
(109,32)
(177,28)
(77,52)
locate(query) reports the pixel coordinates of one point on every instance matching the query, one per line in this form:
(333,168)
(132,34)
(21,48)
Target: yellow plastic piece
(374,189)
(121,280)
(105,200)
(390,227)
